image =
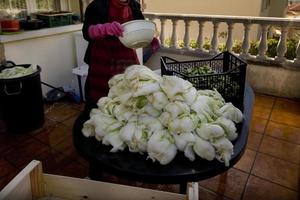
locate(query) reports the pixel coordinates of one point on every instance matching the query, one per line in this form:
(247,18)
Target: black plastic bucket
(21,102)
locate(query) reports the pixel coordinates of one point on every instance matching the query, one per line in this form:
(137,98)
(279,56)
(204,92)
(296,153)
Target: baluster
(187,34)
(229,42)
(174,34)
(263,47)
(214,40)
(246,43)
(281,47)
(162,32)
(297,59)
(200,36)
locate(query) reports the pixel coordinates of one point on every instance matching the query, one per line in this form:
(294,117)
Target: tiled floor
(269,168)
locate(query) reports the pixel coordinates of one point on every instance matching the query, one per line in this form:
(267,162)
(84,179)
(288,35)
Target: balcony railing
(169,22)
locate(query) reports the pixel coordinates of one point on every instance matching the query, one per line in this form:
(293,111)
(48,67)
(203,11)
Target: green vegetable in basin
(16,72)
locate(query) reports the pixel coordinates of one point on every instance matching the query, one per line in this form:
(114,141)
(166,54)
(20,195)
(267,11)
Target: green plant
(222,47)
(254,47)
(167,42)
(291,44)
(272,47)
(291,48)
(206,44)
(237,46)
(180,43)
(193,44)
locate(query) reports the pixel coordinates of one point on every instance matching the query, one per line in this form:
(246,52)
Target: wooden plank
(192,191)
(20,187)
(36,180)
(77,189)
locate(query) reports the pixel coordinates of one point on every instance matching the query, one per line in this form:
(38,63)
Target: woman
(106,55)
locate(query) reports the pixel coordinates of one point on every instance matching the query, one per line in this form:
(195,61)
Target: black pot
(21,102)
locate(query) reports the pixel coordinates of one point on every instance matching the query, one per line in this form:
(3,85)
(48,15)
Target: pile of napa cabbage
(18,71)
(159,116)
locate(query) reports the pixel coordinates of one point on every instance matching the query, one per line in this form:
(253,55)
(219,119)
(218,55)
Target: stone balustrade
(263,23)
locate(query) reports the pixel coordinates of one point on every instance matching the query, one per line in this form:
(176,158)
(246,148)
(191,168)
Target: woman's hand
(107,29)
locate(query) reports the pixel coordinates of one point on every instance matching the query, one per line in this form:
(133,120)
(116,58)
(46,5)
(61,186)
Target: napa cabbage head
(161,147)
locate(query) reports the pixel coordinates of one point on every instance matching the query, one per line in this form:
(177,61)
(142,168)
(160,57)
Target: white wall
(210,7)
(54,54)
(207,7)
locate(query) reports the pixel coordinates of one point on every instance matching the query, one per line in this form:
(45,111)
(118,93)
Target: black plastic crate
(228,77)
(55,19)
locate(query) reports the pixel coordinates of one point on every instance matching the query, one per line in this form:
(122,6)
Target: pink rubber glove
(107,29)
(155,44)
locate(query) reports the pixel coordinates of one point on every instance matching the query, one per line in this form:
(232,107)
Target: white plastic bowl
(137,33)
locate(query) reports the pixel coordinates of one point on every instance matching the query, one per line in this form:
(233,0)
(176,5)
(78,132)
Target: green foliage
(222,47)
(291,48)
(193,44)
(206,44)
(254,47)
(167,42)
(272,47)
(237,46)
(180,43)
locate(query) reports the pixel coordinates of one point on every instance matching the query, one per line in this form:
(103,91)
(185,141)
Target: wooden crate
(31,184)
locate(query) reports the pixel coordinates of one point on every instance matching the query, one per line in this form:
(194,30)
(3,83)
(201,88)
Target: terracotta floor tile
(261,112)
(79,106)
(70,122)
(280,149)
(287,118)
(246,162)
(60,113)
(111,178)
(174,188)
(53,161)
(264,100)
(68,105)
(260,189)
(7,178)
(47,126)
(287,105)
(67,148)
(285,132)
(258,124)
(205,194)
(163,187)
(231,186)
(55,135)
(9,141)
(254,140)
(73,169)
(276,170)
(6,168)
(25,152)
(63,159)
(76,156)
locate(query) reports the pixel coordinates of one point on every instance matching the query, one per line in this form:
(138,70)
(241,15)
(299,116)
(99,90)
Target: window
(13,8)
(45,5)
(22,8)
